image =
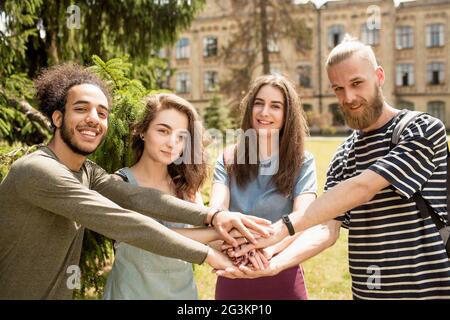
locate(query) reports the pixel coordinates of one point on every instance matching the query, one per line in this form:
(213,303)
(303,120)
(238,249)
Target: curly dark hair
(53,84)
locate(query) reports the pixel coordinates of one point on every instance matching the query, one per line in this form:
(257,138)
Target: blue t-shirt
(260,197)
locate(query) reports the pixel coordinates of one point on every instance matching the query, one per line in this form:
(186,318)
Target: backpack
(424,207)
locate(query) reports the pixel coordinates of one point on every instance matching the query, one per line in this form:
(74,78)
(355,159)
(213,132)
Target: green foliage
(47,32)
(9,154)
(19,25)
(35,34)
(128,97)
(217,116)
(96,256)
(14,124)
(113,154)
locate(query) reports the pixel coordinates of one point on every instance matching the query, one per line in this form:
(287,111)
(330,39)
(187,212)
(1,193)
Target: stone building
(411,42)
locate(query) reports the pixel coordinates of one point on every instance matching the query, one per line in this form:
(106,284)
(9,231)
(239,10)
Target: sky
(319,3)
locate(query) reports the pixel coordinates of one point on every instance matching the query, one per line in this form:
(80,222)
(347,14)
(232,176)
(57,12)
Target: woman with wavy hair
(168,155)
(268,174)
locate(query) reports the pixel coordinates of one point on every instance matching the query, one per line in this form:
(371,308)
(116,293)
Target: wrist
(275,268)
(281,231)
(209,254)
(287,222)
(209,216)
(214,212)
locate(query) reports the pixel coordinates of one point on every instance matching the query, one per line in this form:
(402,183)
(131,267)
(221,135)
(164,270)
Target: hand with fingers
(218,260)
(247,226)
(254,264)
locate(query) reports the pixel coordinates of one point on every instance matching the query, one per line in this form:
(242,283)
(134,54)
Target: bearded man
(394,253)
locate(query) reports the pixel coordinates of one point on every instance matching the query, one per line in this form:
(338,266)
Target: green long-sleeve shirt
(44,207)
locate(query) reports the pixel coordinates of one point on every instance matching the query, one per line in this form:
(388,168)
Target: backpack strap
(402,124)
(121,173)
(424,208)
(448,185)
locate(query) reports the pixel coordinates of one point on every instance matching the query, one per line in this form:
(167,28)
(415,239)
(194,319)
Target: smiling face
(268,109)
(356,84)
(84,123)
(165,137)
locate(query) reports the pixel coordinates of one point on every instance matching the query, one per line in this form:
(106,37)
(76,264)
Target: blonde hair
(347,48)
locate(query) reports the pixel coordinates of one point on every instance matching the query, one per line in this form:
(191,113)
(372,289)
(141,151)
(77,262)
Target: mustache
(355,103)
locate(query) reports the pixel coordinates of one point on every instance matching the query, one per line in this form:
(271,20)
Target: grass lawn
(327,275)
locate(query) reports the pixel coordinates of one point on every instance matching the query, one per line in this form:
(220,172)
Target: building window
(272,46)
(211,81)
(303,40)
(435,73)
(210,46)
(338,118)
(406,105)
(307,107)
(161,53)
(275,70)
(182,49)
(437,109)
(370,37)
(183,82)
(404,38)
(435,35)
(405,75)
(335,35)
(304,76)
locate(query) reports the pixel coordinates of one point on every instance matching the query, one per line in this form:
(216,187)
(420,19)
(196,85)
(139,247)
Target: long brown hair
(188,176)
(292,136)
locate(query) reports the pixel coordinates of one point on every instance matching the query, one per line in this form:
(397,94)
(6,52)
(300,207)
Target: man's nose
(349,97)
(92,117)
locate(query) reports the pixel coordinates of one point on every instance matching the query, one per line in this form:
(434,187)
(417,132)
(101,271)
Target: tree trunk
(31,113)
(264,41)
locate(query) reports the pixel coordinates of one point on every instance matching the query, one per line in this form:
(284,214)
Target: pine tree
(217,116)
(40,33)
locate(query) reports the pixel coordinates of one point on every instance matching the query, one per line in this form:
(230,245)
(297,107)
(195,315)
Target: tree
(217,116)
(44,32)
(265,22)
(40,33)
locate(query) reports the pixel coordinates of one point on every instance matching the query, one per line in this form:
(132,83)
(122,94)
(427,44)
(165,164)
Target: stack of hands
(255,259)
(247,248)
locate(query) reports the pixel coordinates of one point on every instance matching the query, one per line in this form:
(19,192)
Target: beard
(67,136)
(371,112)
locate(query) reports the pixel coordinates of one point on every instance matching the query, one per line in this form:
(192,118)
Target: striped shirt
(393,252)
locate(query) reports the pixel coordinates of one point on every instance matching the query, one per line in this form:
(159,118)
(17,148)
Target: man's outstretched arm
(159,205)
(336,201)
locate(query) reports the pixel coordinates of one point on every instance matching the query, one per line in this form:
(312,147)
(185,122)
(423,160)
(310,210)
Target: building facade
(411,42)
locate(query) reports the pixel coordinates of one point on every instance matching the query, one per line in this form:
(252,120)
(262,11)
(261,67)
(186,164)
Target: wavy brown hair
(292,136)
(190,174)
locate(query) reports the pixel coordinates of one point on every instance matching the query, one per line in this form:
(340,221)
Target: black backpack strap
(121,173)
(448,185)
(402,124)
(424,208)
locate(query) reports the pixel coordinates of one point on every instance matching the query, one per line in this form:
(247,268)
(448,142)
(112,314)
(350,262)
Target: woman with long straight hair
(268,174)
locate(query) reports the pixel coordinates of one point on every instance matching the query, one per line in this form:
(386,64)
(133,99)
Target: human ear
(380,75)
(57,118)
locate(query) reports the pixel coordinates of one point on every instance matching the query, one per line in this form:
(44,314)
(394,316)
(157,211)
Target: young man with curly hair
(50,195)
